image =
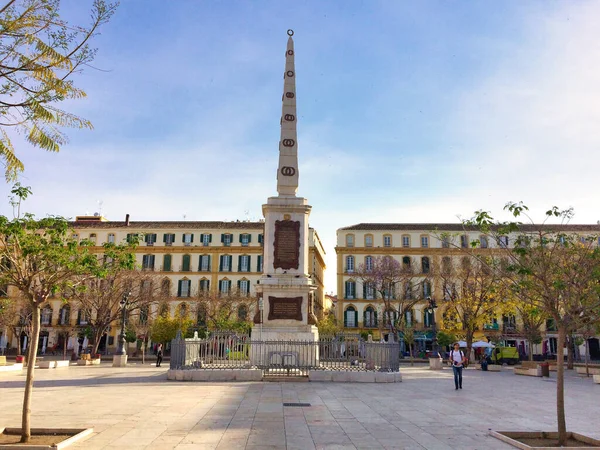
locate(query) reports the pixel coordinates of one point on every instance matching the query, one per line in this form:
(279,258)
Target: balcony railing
(491,326)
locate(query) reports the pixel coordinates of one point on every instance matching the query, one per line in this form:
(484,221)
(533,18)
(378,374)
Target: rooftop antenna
(100,203)
(247,214)
(184,216)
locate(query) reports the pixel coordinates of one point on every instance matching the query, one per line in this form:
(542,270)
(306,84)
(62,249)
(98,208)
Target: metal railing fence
(230,351)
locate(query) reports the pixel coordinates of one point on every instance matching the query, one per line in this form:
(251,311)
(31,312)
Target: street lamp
(434,344)
(123,303)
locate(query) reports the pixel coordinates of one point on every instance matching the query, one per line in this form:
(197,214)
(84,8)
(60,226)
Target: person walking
(159,355)
(457,359)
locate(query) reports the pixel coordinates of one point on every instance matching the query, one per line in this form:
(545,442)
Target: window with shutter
(259,264)
(168,239)
(205,263)
(424,241)
(349,264)
(204,285)
(206,238)
(188,238)
(261,239)
(227,239)
(425,264)
(167,260)
(111,238)
(225,263)
(351,318)
(186,263)
(148,262)
(183,288)
(350,289)
(150,239)
(244,263)
(245,239)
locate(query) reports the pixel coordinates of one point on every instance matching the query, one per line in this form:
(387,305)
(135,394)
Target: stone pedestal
(119,360)
(285,346)
(435,363)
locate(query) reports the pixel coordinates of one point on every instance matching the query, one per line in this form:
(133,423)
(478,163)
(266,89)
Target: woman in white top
(457,359)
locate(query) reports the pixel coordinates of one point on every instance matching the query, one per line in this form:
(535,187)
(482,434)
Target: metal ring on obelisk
(290,32)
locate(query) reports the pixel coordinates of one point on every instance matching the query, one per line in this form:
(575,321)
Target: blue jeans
(457,376)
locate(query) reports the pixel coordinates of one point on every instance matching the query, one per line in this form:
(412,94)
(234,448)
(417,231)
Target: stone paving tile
(135,407)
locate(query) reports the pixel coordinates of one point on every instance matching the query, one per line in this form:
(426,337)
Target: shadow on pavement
(90,381)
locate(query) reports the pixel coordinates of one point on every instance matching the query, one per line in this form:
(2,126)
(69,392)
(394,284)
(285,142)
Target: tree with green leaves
(165,328)
(40,54)
(328,325)
(471,293)
(552,269)
(40,258)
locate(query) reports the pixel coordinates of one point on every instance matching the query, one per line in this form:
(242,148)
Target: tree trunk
(35,338)
(571,352)
(560,388)
(530,345)
(143,350)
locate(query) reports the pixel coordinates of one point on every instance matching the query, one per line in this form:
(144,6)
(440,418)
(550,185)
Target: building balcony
(491,327)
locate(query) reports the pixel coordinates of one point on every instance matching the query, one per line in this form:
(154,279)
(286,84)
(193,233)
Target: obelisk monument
(286,286)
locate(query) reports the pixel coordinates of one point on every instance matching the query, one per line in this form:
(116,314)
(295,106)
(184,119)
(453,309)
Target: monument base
(119,360)
(286,333)
(285,346)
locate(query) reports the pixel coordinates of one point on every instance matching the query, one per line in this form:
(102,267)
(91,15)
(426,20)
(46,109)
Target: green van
(501,355)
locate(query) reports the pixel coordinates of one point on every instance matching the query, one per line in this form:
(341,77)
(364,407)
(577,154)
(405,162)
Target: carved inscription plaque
(287,244)
(285,308)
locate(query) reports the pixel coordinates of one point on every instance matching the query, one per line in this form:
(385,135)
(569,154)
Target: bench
(2,360)
(531,372)
(593,370)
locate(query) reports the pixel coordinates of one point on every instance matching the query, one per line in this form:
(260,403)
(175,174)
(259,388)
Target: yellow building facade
(422,246)
(189,257)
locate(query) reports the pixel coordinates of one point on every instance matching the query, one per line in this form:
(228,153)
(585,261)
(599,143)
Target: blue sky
(408,112)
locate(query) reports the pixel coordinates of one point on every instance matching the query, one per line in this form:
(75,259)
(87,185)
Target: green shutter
(240,238)
(356,318)
(260,238)
(208,265)
(239,284)
(192,238)
(221,263)
(239,263)
(165,237)
(345,319)
(375,316)
(210,238)
(167,263)
(201,238)
(229,286)
(364,290)
(179,288)
(259,263)
(222,237)
(249,238)
(200,263)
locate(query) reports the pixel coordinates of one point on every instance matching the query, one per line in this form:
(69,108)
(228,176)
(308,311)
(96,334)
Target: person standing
(457,359)
(159,355)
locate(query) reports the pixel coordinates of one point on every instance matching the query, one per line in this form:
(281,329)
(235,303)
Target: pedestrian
(159,355)
(457,359)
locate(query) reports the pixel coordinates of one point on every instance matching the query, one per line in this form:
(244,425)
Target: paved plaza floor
(136,407)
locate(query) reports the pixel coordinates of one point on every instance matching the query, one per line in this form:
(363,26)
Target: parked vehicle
(501,355)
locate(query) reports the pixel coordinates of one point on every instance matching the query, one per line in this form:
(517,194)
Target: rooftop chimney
(126,220)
